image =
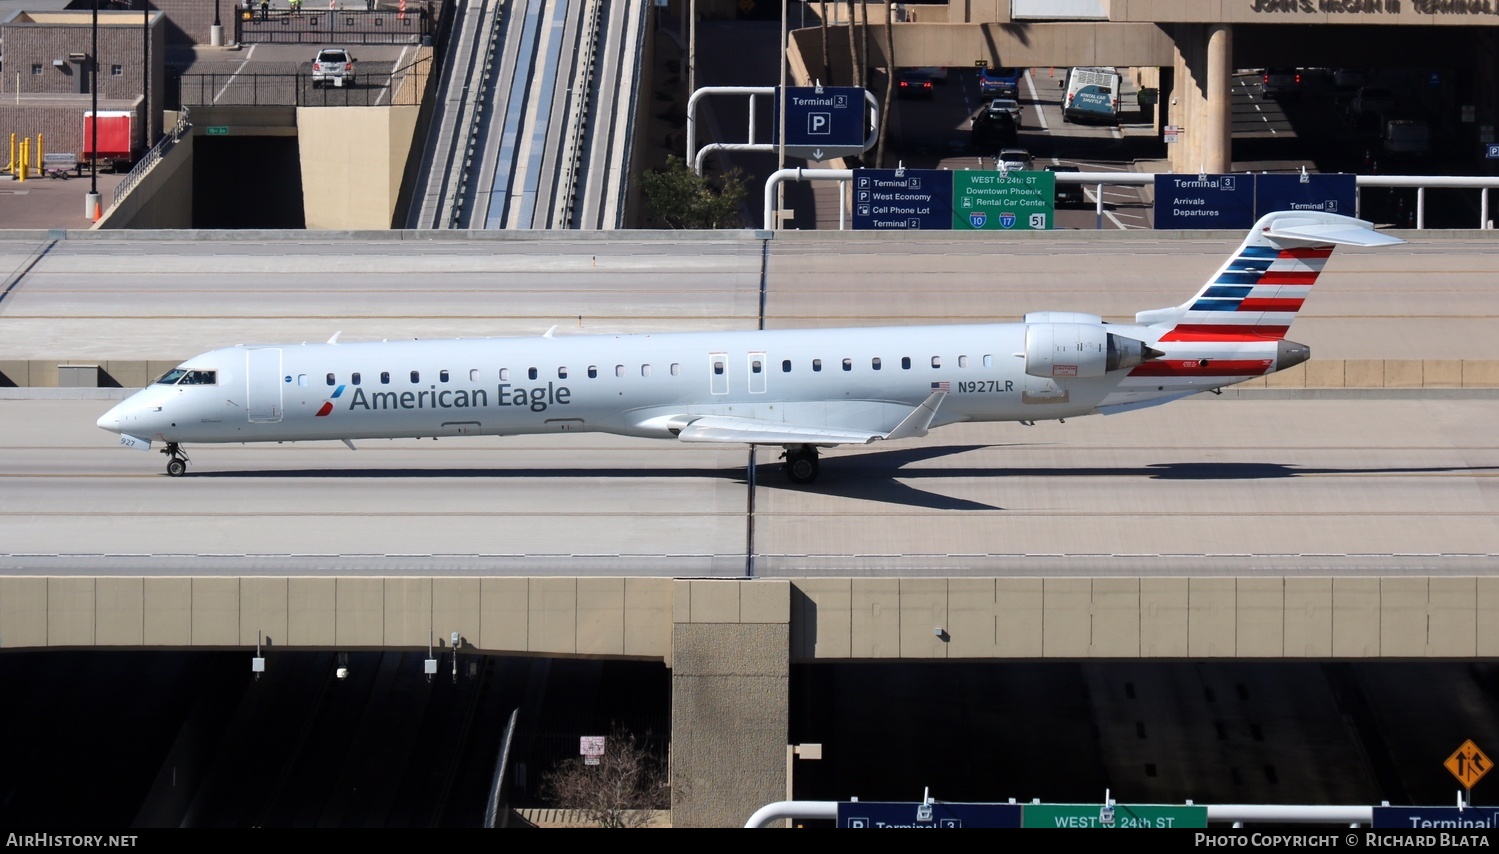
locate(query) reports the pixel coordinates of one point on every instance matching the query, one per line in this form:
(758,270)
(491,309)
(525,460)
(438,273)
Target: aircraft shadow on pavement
(883,476)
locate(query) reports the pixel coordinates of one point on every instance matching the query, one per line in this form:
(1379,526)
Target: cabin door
(263,383)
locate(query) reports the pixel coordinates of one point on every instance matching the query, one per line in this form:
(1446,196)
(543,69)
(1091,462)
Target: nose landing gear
(801,463)
(177,459)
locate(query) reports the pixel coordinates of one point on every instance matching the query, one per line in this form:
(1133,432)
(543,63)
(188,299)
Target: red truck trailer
(115,137)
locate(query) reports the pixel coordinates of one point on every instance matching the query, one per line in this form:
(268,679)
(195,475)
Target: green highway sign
(1123,816)
(216,131)
(1003,201)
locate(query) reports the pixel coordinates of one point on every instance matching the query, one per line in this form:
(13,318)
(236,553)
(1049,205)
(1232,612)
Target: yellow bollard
(12,167)
(24,164)
(41,157)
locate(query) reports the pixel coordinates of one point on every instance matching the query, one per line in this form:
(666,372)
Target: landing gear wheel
(177,459)
(801,465)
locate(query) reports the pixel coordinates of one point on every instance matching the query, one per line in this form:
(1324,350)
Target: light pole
(91,201)
(216,35)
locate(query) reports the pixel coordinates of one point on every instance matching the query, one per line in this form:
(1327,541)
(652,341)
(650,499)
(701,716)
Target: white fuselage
(639,385)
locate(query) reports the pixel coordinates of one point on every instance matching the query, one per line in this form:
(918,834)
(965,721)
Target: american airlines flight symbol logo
(328,404)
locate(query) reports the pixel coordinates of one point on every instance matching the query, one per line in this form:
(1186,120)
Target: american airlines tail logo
(328,404)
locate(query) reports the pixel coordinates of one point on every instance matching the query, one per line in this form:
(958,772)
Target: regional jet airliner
(802,389)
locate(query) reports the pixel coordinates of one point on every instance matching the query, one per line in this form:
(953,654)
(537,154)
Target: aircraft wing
(720,428)
(755,431)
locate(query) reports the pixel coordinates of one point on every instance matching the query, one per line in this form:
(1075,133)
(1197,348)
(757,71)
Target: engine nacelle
(1061,350)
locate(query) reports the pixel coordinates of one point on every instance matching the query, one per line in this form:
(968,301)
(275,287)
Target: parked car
(1009,106)
(333,65)
(1067,193)
(1280,83)
(913,84)
(1014,159)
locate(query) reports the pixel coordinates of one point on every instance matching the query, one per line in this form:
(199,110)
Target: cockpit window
(184,376)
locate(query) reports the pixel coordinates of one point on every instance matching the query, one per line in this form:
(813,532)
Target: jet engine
(1080,350)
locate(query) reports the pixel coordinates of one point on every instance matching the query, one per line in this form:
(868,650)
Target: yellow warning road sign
(1468,764)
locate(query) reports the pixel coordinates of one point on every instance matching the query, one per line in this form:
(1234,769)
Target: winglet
(915,425)
(350,443)
(334,339)
(549,332)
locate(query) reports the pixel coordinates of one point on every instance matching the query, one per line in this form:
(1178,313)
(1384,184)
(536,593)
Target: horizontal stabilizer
(1349,232)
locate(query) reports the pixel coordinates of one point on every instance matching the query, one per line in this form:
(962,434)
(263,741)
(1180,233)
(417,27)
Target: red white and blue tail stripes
(1255,296)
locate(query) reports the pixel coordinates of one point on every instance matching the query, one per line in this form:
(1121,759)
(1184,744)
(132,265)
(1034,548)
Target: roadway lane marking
(1030,83)
(230,82)
(389,87)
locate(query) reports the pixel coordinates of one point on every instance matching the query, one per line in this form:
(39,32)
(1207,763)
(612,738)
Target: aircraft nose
(110,420)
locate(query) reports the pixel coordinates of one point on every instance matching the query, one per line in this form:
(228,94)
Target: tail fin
(1257,292)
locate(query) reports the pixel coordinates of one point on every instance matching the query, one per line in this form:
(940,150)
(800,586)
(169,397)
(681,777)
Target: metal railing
(152,157)
(335,26)
(282,90)
(1421,183)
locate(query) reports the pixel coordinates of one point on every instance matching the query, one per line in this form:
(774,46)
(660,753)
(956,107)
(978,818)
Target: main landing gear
(801,463)
(176,459)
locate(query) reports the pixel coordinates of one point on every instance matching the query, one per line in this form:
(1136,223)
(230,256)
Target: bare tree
(625,789)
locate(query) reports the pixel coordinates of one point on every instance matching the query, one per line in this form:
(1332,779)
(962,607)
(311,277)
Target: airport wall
(824,619)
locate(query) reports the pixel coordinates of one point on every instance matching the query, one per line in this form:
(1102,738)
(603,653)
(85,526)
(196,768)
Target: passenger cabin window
(504,375)
(785,366)
(531,372)
(355,378)
(442,376)
(416,377)
(645,370)
(619,370)
(473,375)
(816,364)
(718,367)
(988,361)
(936,361)
(962,361)
(330,379)
(756,367)
(676,369)
(562,373)
(905,363)
(875,363)
(593,371)
(302,380)
(385,377)
(848,364)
